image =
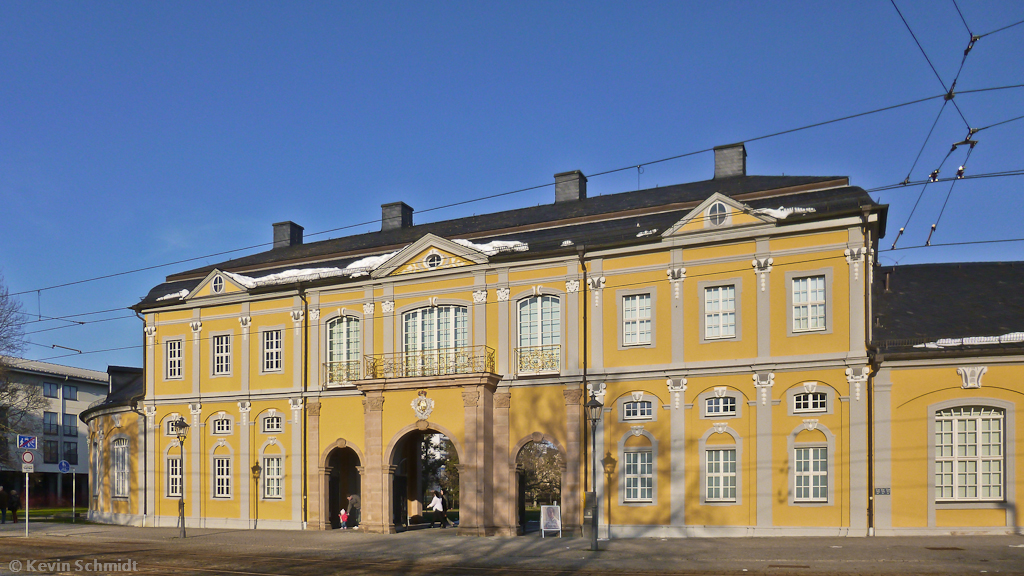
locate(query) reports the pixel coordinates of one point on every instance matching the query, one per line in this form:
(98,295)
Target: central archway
(421,458)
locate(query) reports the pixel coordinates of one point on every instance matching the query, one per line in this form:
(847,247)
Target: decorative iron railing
(465,360)
(342,373)
(538,359)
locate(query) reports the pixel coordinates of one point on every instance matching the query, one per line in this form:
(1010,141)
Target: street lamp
(256,469)
(594,409)
(181,431)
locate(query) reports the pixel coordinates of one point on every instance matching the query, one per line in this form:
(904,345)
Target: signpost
(27,466)
(64,467)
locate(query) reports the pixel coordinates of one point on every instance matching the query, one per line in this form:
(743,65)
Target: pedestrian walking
(353,510)
(4,499)
(437,505)
(343,516)
(13,504)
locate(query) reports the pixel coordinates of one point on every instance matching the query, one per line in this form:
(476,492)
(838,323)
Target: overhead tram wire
(932,178)
(959,176)
(1001,29)
(630,167)
(901,185)
(962,19)
(925,143)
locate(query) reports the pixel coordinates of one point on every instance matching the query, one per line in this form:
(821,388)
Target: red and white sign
(28,457)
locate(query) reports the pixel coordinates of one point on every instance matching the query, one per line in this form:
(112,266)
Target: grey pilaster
(602,485)
(764,460)
(196,350)
(858,450)
(480,310)
(677,415)
(247,332)
(678,309)
(572,317)
(882,421)
(369,321)
(764,310)
(390,320)
(504,346)
(594,317)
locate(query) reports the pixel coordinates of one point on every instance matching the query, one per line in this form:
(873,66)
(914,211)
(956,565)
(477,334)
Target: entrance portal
(343,481)
(423,461)
(539,469)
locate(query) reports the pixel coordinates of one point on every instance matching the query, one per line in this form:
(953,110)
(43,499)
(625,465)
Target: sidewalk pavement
(436,547)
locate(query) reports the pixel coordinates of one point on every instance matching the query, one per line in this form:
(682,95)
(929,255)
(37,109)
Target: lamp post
(594,408)
(181,432)
(256,469)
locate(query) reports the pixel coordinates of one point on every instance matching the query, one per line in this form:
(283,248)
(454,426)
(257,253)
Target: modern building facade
(60,434)
(725,326)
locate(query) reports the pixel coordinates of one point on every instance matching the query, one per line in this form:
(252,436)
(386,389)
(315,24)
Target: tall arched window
(344,353)
(432,338)
(119,456)
(540,335)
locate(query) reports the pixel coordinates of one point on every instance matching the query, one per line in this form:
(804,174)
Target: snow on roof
(178,295)
(286,277)
(782,212)
(650,232)
(361,266)
(495,246)
(1011,338)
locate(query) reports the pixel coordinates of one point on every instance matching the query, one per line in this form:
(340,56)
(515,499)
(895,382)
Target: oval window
(718,214)
(432,260)
(218,285)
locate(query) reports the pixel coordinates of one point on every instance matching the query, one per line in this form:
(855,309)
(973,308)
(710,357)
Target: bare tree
(542,463)
(20,404)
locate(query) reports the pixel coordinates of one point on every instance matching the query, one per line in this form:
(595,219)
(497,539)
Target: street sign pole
(72,495)
(26,504)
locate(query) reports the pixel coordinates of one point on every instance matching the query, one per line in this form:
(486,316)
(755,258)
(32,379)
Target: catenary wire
(926,139)
(1001,29)
(962,19)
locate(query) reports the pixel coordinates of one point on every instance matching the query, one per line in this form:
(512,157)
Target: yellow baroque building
(725,326)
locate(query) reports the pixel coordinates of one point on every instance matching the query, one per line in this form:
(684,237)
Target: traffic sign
(27,468)
(28,457)
(63,466)
(27,442)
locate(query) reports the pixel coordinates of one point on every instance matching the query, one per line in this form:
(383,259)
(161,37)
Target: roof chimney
(570,186)
(395,215)
(287,234)
(730,160)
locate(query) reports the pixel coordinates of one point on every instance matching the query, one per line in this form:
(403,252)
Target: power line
(907,185)
(962,19)
(926,139)
(75,325)
(1001,29)
(965,243)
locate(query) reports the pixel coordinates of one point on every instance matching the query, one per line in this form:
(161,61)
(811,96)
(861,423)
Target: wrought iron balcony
(538,359)
(342,373)
(465,360)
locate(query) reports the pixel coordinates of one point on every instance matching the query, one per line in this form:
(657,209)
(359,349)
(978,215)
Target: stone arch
(511,503)
(388,499)
(327,481)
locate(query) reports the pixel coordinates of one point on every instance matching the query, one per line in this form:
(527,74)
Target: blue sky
(137,134)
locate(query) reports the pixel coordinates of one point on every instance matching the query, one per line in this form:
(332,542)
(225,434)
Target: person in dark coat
(13,504)
(4,499)
(353,510)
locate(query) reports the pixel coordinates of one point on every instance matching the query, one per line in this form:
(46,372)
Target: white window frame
(719,473)
(810,303)
(222,425)
(120,470)
(542,325)
(273,477)
(792,304)
(267,428)
(638,469)
(642,410)
(961,463)
(813,402)
(637,321)
(175,479)
(719,405)
(221,357)
(174,351)
(726,215)
(435,328)
(222,477)
(811,473)
(344,338)
(706,290)
(272,344)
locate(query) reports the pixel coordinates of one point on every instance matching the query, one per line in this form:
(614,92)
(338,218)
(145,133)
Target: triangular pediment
(429,253)
(718,212)
(216,283)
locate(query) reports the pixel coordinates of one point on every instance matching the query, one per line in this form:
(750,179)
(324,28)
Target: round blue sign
(64,467)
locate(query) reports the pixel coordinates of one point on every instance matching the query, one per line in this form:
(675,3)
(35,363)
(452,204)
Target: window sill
(720,503)
(811,503)
(972,505)
(638,503)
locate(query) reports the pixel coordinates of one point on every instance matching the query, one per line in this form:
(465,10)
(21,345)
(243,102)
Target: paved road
(292,553)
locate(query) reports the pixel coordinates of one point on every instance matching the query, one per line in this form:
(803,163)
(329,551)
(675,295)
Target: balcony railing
(465,360)
(538,359)
(342,373)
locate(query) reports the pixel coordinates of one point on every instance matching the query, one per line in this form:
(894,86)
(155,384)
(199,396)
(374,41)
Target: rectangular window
(50,423)
(721,476)
(812,402)
(719,312)
(71,453)
(71,392)
(273,346)
(222,477)
(51,390)
(222,354)
(119,455)
(273,476)
(969,454)
(636,319)
(174,476)
(51,451)
(811,476)
(70,425)
(724,406)
(273,424)
(809,304)
(639,476)
(222,426)
(174,358)
(637,410)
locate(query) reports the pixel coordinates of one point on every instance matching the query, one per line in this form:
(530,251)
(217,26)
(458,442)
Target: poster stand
(550,520)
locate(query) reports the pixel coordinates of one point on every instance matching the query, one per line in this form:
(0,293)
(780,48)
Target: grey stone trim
(479,311)
(701,403)
(505,320)
(677,461)
(1009,501)
(764,464)
(571,328)
(830,445)
(596,345)
(620,408)
(653,449)
(831,396)
(196,351)
(620,295)
(678,309)
(702,448)
(246,366)
(829,309)
(389,324)
(737,282)
(858,447)
(262,352)
(764,310)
